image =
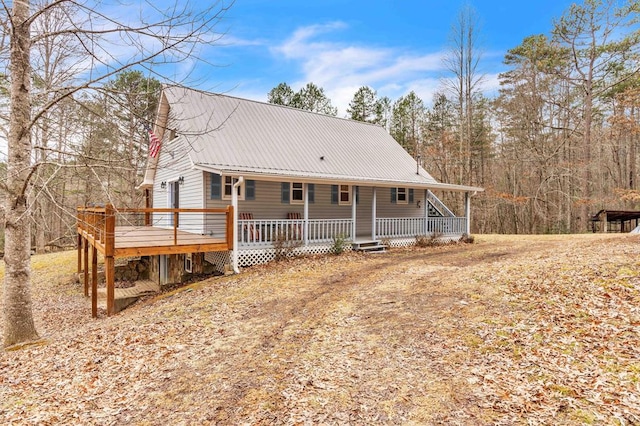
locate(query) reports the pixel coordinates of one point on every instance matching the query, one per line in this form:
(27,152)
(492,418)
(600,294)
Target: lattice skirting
(219,259)
(249,257)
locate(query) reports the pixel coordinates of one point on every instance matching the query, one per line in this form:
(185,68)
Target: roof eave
(270,175)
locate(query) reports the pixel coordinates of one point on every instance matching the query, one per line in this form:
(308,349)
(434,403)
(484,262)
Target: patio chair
(295,229)
(250,231)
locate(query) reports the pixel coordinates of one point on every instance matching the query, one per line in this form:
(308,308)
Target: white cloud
(341,68)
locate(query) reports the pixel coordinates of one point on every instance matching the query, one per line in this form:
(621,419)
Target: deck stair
(126,296)
(369,246)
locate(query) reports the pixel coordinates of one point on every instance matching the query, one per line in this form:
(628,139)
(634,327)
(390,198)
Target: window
(297,193)
(188,263)
(401,196)
(228,187)
(344,195)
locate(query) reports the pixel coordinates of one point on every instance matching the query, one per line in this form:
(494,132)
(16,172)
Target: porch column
(467,213)
(234,203)
(353,212)
(374,206)
(604,222)
(426,212)
(306,214)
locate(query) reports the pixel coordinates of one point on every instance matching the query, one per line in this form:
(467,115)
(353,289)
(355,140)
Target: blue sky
(394,46)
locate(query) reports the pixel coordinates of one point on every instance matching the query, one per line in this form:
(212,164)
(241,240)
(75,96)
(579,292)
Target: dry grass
(510,330)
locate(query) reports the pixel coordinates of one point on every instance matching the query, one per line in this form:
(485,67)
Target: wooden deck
(151,240)
(98,233)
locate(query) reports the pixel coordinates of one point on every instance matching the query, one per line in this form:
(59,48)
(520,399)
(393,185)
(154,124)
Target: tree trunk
(18,316)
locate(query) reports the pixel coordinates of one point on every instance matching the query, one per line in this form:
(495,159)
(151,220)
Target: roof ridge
(205,92)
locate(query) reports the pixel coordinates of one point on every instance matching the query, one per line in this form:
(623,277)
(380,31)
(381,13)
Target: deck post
(109,251)
(374,212)
(230,226)
(86,268)
(467,213)
(147,205)
(175,228)
(94,282)
(79,252)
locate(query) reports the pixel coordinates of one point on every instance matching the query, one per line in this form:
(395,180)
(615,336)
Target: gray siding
(268,205)
(172,164)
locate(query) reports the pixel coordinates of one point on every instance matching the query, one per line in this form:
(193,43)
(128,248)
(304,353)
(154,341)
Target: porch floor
(144,237)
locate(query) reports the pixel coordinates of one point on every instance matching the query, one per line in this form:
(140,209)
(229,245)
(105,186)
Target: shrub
(466,238)
(430,240)
(339,244)
(285,247)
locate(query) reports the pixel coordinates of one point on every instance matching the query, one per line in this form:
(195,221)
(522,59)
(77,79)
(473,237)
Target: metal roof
(232,135)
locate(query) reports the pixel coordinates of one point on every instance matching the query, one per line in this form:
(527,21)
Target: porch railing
(407,227)
(266,231)
(263,232)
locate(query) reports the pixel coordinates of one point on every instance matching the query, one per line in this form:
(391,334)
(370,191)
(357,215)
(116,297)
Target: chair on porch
(251,232)
(296,229)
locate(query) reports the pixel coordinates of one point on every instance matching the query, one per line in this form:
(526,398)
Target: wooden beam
(109,263)
(147,204)
(109,273)
(181,249)
(230,227)
(86,268)
(79,252)
(94,283)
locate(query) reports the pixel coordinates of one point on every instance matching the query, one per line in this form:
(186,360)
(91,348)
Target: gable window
(401,196)
(218,190)
(229,181)
(344,195)
(297,193)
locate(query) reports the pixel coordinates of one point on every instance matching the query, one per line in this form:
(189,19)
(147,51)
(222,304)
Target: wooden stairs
(368,246)
(126,296)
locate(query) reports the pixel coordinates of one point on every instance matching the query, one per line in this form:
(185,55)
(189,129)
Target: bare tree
(151,37)
(462,61)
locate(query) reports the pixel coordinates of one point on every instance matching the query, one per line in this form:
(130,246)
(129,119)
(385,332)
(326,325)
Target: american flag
(154,143)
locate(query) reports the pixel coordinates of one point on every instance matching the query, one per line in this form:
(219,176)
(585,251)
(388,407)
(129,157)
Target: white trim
(188,262)
(336,180)
(348,192)
(223,184)
(406,195)
(302,188)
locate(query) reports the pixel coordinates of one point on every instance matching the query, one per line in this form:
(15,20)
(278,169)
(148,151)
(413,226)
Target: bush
(431,240)
(284,247)
(466,238)
(339,244)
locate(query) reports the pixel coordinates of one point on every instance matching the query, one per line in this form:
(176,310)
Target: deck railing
(99,228)
(407,227)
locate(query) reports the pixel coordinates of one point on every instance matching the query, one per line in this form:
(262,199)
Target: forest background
(555,144)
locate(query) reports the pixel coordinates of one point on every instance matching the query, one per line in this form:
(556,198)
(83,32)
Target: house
(290,175)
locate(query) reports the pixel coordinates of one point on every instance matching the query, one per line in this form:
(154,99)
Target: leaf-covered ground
(510,330)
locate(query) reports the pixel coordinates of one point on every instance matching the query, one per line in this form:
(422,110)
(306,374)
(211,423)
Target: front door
(174,200)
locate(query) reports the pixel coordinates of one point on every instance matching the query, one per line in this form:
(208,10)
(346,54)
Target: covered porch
(364,223)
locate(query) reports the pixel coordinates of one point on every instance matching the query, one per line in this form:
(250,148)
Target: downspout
(234,203)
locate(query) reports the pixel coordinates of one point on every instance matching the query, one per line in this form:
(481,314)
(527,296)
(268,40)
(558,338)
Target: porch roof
(309,177)
(236,136)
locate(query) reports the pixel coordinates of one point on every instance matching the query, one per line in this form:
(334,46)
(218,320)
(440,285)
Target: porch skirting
(249,256)
(258,256)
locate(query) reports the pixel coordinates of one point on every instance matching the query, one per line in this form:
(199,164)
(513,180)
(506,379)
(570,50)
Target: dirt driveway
(510,330)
